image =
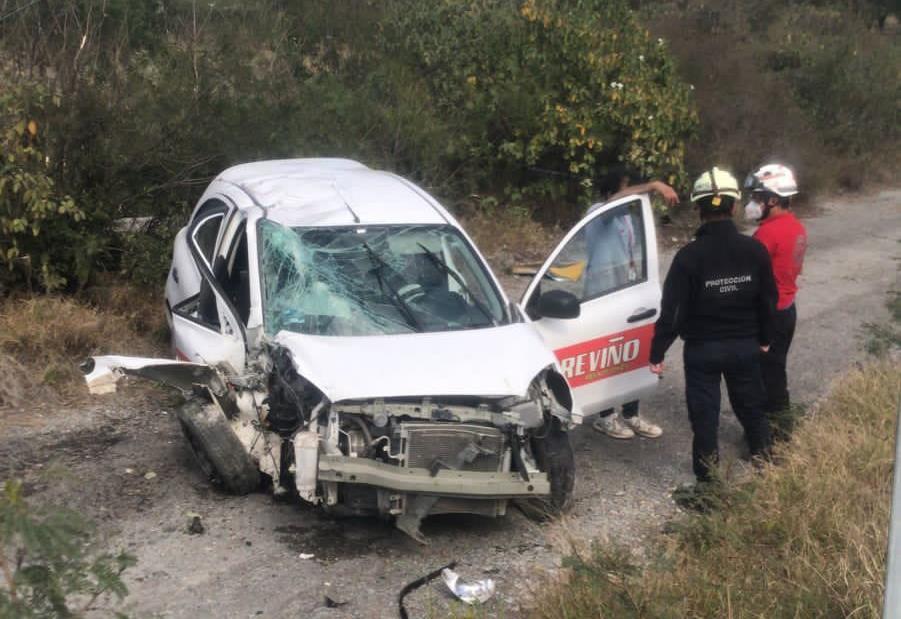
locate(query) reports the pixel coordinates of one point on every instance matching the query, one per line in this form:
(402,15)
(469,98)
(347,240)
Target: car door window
(205,233)
(608,254)
(235,275)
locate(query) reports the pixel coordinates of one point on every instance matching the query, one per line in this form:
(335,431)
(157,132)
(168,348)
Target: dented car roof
(332,192)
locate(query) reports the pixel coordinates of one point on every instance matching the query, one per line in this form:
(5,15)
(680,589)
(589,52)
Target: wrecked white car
(341,337)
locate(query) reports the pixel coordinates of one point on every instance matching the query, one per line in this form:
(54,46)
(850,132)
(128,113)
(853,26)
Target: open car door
(208,327)
(607,268)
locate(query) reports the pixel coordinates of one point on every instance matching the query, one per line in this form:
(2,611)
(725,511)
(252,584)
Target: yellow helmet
(715,182)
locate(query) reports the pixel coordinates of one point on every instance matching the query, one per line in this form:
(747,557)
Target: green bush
(147,102)
(37,222)
(47,564)
(138,105)
(846,77)
(545,96)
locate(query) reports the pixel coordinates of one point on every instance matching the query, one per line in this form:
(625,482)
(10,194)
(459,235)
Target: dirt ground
(248,562)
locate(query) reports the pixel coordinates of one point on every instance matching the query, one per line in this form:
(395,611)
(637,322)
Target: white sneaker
(611,425)
(642,427)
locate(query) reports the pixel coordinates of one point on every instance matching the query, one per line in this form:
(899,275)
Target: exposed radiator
(425,444)
(481,507)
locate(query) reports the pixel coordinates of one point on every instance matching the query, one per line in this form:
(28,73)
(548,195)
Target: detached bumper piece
(446,482)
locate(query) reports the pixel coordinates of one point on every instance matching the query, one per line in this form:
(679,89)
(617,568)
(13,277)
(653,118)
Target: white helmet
(715,182)
(773,178)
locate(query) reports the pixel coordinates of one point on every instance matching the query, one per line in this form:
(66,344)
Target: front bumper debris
(446,482)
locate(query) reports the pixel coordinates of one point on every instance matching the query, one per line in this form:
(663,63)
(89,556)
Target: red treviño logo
(603,357)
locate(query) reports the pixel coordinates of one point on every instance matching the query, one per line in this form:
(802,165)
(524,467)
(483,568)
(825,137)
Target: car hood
(490,362)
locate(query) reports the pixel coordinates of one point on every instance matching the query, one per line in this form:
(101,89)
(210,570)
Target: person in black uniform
(719,297)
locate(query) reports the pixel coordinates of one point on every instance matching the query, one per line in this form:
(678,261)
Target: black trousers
(630,409)
(706,363)
(773,363)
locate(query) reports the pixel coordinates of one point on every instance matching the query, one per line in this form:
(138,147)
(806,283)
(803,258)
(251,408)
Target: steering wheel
(412,292)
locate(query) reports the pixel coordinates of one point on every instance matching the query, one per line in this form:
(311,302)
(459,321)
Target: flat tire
(554,455)
(217,448)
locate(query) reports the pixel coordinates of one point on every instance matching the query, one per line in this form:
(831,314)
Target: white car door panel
(200,343)
(205,326)
(201,236)
(184,278)
(609,262)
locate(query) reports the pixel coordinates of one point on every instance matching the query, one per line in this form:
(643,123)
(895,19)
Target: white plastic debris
(479,591)
(149,475)
(306,555)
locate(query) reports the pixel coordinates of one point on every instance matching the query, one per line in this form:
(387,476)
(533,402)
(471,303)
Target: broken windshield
(373,280)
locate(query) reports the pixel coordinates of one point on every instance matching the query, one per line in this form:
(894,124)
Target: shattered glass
(373,280)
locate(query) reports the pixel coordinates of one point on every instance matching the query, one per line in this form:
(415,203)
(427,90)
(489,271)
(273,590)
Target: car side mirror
(558,304)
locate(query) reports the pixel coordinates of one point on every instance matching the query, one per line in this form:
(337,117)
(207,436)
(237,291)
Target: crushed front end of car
(401,457)
(411,457)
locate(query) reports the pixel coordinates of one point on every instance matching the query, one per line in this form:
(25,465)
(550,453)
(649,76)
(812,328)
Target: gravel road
(248,562)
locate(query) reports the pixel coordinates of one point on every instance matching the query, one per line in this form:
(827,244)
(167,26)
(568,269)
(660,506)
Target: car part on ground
(416,584)
(477,592)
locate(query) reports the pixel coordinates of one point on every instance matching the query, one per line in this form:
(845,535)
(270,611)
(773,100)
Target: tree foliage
(549,94)
(47,564)
(145,102)
(813,83)
(37,222)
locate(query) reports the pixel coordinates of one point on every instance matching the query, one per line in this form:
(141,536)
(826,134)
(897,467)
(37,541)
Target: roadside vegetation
(115,109)
(50,563)
(813,83)
(806,538)
(44,338)
(509,111)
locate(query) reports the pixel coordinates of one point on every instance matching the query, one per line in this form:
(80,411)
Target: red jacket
(786,240)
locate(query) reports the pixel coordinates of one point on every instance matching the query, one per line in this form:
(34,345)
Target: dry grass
(806,539)
(43,339)
(141,306)
(508,236)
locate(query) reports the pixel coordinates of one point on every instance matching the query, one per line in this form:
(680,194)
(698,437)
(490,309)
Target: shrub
(38,224)
(546,96)
(846,77)
(148,101)
(48,564)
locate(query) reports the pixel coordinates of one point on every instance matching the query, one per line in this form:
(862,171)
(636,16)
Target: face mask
(753,210)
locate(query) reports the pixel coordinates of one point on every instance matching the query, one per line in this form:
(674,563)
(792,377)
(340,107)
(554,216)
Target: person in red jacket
(771,188)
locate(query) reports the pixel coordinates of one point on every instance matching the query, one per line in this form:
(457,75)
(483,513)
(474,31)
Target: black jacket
(719,287)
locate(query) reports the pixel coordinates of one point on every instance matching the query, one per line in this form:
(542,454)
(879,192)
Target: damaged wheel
(217,448)
(554,455)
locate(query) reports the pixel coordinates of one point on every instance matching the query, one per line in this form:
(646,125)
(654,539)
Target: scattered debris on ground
(416,584)
(479,591)
(195,524)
